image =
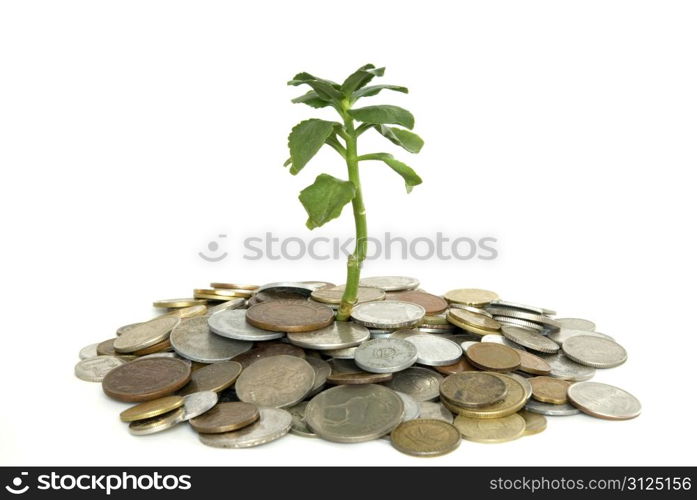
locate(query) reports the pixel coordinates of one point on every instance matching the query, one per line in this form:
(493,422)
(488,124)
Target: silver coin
(192,339)
(500,339)
(380,334)
(522,307)
(550,410)
(276,381)
(273,424)
(230,304)
(604,401)
(322,370)
(390,283)
(95,369)
(472,309)
(515,314)
(527,386)
(145,335)
(426,329)
(338,335)
(435,351)
(198,403)
(156,424)
(565,333)
(594,351)
(385,355)
(420,383)
(388,314)
(576,324)
(435,411)
(299,425)
(89,351)
(407,332)
(531,339)
(232,324)
(164,354)
(411,406)
(354,413)
(504,320)
(566,369)
(467,344)
(123,329)
(345,353)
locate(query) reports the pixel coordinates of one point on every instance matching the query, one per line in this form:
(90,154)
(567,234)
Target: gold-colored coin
(515,399)
(186,312)
(534,422)
(165,345)
(221,293)
(471,296)
(177,303)
(473,389)
(494,357)
(464,318)
(550,390)
(234,286)
(493,430)
(425,437)
(151,409)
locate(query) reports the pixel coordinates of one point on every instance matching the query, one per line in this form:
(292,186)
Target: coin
(214,377)
(346,372)
(550,390)
(594,351)
(225,417)
(187,312)
(289,316)
(564,368)
(354,413)
(604,401)
(224,306)
(95,369)
(388,314)
(198,403)
(425,437)
(493,430)
(535,365)
(459,366)
(156,424)
(322,371)
(497,338)
(299,425)
(530,339)
(476,310)
(551,410)
(151,409)
(576,324)
(527,387)
(390,283)
(432,304)
(233,286)
(534,422)
(473,389)
(272,294)
(277,382)
(471,296)
(290,287)
(338,335)
(220,294)
(504,320)
(494,357)
(266,350)
(106,348)
(146,334)
(407,332)
(421,384)
(333,294)
(534,318)
(146,379)
(89,351)
(165,345)
(523,307)
(564,333)
(385,355)
(436,411)
(473,322)
(515,399)
(123,329)
(177,303)
(273,424)
(435,351)
(192,339)
(233,324)
(343,353)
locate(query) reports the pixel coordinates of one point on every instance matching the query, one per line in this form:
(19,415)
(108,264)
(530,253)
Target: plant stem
(355,260)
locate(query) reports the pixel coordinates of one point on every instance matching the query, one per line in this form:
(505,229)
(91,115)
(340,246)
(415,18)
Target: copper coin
(106,348)
(345,371)
(146,379)
(494,357)
(266,350)
(461,365)
(550,390)
(432,303)
(225,417)
(214,377)
(165,345)
(473,389)
(534,365)
(290,316)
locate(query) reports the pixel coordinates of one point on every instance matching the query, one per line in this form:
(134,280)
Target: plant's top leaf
(360,78)
(375,89)
(384,114)
(305,77)
(326,89)
(306,138)
(403,138)
(325,198)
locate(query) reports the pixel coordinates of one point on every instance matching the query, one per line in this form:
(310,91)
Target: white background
(132,133)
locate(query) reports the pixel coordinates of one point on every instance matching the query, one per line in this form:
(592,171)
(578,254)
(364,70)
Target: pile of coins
(244,365)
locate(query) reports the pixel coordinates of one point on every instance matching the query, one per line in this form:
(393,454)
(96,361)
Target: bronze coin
(346,372)
(534,365)
(106,348)
(146,379)
(464,318)
(214,377)
(550,390)
(165,345)
(432,303)
(266,350)
(473,389)
(225,417)
(290,316)
(461,365)
(493,357)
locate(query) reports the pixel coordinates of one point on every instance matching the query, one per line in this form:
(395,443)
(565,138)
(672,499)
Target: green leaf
(384,114)
(360,78)
(306,138)
(403,138)
(326,89)
(375,89)
(411,178)
(311,99)
(325,198)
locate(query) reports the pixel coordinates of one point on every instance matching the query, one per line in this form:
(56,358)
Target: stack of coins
(245,365)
